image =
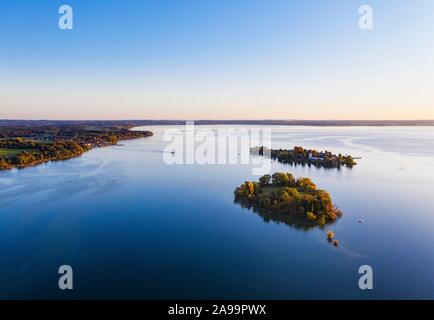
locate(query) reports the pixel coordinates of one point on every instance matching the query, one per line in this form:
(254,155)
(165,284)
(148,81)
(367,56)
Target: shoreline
(60,149)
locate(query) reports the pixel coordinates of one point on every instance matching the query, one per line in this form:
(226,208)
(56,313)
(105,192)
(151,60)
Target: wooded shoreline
(22,147)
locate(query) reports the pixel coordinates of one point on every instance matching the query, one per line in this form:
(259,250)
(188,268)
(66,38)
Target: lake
(133,227)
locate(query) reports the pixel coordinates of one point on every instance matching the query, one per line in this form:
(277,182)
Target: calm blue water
(133,227)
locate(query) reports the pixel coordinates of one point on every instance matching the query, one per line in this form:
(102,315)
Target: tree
(292,192)
(283,179)
(4,164)
(285,197)
(24,158)
(276,178)
(305,184)
(250,187)
(310,216)
(299,150)
(330,235)
(113,139)
(349,161)
(291,180)
(265,180)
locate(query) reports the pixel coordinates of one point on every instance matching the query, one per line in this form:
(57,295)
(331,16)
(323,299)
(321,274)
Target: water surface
(133,227)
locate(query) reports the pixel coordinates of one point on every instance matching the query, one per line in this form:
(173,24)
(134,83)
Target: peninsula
(30,145)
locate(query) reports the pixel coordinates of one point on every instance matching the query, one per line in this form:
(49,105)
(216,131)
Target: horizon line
(221,120)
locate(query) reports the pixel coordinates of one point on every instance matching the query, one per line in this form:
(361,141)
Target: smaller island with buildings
(283,195)
(299,155)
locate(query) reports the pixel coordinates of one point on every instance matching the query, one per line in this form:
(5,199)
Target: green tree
(265,180)
(292,192)
(283,179)
(310,216)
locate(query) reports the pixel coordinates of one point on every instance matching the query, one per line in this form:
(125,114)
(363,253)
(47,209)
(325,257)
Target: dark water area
(133,227)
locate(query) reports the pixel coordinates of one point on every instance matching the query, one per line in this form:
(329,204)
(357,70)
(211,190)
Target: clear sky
(216,59)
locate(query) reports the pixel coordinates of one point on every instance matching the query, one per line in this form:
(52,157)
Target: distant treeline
(132,123)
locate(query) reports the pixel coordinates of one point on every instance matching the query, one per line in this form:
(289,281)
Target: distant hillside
(132,123)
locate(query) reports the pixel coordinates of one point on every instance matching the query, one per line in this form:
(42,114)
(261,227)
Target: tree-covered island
(281,194)
(299,155)
(26,146)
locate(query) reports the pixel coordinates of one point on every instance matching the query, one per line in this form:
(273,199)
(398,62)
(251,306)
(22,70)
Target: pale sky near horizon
(216,59)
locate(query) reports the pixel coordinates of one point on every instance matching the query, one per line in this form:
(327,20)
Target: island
(299,155)
(283,196)
(26,146)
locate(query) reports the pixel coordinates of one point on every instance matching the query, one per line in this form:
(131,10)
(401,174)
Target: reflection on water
(289,220)
(133,227)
